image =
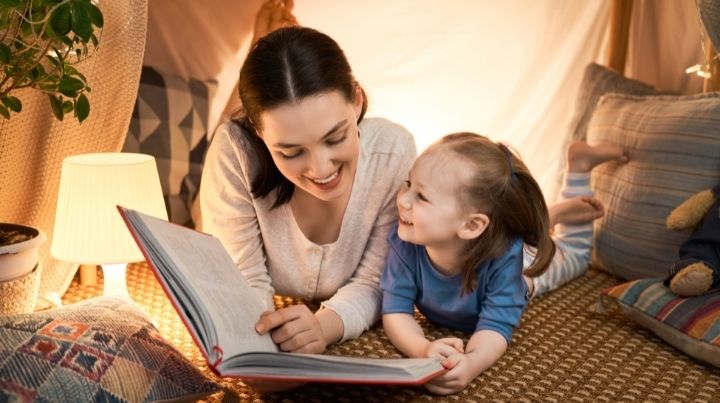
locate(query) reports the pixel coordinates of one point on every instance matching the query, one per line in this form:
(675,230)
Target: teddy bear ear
(690,212)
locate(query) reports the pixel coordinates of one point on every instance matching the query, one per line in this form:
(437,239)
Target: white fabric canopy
(509,69)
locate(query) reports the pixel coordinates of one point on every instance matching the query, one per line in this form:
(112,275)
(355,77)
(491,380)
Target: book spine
(218,357)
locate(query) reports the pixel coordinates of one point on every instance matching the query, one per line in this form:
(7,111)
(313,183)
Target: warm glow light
(88,228)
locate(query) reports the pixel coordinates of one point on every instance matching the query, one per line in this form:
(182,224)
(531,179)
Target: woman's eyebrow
(329,132)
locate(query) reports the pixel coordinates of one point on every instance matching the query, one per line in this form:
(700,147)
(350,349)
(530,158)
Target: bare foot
(583,157)
(576,210)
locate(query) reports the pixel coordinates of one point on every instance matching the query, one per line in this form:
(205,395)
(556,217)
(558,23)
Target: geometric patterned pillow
(170,122)
(98,350)
(690,324)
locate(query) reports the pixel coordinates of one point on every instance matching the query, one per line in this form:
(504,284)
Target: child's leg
(573,215)
(573,241)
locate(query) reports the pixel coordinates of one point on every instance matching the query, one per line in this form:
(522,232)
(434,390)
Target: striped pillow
(691,325)
(673,143)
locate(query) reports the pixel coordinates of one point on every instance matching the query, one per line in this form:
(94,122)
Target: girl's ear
(474,226)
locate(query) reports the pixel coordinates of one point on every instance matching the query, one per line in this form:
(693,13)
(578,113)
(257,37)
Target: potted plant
(40,41)
(18,250)
(19,273)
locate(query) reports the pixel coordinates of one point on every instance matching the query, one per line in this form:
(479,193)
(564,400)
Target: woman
(300,189)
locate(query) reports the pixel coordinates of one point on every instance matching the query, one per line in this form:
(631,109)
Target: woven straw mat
(561,352)
(33,144)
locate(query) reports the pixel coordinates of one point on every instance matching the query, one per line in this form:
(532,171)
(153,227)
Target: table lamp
(88,228)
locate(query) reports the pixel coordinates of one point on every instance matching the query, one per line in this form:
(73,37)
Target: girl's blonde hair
(502,187)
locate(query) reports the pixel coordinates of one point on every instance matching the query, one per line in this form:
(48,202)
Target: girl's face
(314,143)
(429,206)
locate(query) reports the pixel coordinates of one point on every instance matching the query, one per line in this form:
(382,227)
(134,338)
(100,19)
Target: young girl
(457,253)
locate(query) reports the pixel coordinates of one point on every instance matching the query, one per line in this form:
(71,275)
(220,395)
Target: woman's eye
(407,184)
(421,197)
(336,141)
(291,156)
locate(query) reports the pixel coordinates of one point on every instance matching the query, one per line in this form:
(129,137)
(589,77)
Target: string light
(702,70)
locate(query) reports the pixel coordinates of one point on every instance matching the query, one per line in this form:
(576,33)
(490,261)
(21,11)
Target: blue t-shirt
(496,303)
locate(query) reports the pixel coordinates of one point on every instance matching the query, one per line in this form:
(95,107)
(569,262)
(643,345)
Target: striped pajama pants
(573,242)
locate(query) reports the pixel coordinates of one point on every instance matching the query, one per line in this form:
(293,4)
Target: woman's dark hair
(287,66)
(502,187)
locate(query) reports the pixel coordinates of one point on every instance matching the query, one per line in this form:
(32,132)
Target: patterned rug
(562,351)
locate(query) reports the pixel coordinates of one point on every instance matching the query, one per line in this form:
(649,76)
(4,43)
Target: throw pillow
(673,144)
(691,325)
(98,350)
(597,81)
(170,122)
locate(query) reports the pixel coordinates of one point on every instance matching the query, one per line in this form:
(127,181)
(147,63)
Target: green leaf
(82,108)
(60,20)
(10,3)
(59,55)
(37,72)
(12,103)
(4,112)
(5,53)
(70,70)
(66,40)
(81,24)
(53,60)
(94,13)
(94,40)
(67,106)
(69,86)
(56,106)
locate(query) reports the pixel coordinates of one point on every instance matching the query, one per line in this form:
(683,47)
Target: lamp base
(114,281)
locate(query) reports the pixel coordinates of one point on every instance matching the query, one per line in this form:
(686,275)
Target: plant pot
(19,268)
(19,258)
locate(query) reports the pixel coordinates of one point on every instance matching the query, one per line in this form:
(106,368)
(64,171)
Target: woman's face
(314,143)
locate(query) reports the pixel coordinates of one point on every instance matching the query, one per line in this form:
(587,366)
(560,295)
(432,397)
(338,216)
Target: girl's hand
(444,348)
(461,373)
(295,329)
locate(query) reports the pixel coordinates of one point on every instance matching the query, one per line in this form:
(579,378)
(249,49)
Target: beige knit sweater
(271,250)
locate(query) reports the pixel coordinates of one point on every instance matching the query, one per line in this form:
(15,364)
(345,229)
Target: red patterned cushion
(98,350)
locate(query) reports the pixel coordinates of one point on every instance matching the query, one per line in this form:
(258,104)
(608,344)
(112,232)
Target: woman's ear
(359,100)
(474,226)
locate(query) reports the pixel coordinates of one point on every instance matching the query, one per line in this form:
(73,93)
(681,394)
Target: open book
(220,309)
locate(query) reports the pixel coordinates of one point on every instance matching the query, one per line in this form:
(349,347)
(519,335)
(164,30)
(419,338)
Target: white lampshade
(88,228)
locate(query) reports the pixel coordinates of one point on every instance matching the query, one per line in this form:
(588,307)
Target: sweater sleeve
(358,301)
(227,207)
(506,294)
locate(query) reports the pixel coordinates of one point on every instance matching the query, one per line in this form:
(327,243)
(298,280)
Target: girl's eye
(336,141)
(291,156)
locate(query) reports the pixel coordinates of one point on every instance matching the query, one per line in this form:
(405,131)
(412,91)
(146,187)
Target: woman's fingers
(294,329)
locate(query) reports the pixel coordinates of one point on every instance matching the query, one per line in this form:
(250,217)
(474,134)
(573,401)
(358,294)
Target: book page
(210,275)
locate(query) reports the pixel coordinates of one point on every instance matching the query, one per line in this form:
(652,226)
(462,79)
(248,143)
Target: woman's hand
(273,14)
(444,348)
(295,329)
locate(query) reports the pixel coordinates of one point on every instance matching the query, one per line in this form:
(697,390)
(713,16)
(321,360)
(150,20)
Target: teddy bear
(698,268)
